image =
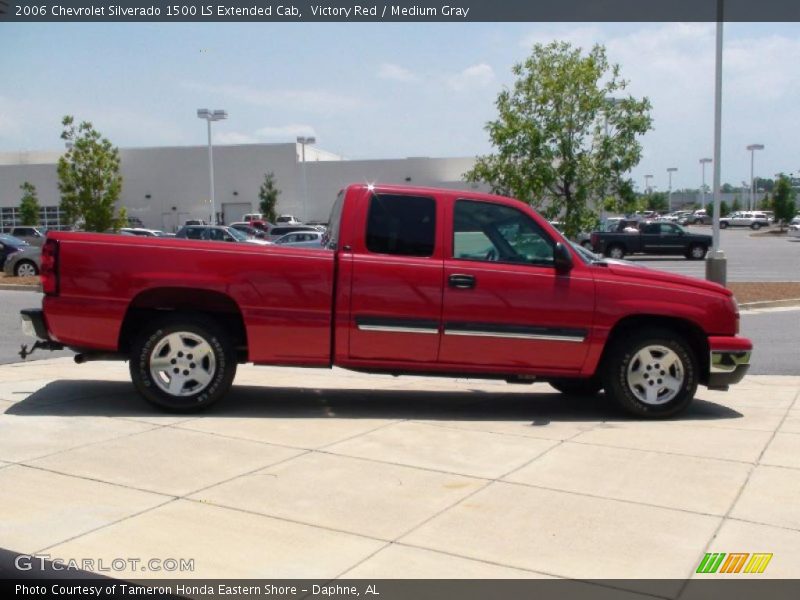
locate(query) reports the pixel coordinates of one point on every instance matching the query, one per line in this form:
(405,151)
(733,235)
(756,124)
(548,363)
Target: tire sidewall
(617,373)
(223,356)
(21,264)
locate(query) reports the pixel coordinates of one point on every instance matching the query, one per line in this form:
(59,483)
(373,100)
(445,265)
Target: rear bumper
(33,323)
(729,361)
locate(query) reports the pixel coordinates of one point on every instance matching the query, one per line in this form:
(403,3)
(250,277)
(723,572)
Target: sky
(391,90)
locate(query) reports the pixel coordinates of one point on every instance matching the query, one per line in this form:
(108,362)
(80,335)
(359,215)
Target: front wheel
(26,268)
(697,252)
(755,226)
(723,224)
(183,363)
(652,373)
(617,252)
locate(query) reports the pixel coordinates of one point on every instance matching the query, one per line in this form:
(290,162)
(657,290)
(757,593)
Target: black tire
(588,245)
(577,387)
(696,252)
(218,363)
(723,224)
(622,366)
(25,263)
(755,226)
(615,249)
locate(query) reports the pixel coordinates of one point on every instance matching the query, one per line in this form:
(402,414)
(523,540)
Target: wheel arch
(156,302)
(689,330)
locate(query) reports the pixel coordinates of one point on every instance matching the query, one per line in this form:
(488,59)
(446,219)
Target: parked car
(794,227)
(9,245)
(252,217)
(288,220)
(404,289)
(745,218)
(698,217)
(307,239)
(194,222)
(281,230)
(215,233)
(655,237)
(25,262)
(32,235)
(142,232)
(249,230)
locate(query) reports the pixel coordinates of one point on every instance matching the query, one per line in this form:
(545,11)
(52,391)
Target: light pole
(716,263)
(647,179)
(670,171)
(209,115)
(703,163)
(303,140)
(753,148)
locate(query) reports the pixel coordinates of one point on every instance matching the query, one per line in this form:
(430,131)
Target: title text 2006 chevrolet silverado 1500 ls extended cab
(411,280)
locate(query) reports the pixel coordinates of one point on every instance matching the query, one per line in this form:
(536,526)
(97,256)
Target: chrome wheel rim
(655,375)
(698,252)
(616,253)
(26,270)
(182,364)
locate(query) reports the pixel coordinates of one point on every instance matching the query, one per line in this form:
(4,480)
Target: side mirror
(562,259)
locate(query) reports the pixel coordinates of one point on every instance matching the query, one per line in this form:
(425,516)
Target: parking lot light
(209,115)
(752,148)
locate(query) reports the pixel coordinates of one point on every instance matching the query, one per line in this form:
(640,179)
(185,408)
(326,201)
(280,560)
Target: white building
(164,186)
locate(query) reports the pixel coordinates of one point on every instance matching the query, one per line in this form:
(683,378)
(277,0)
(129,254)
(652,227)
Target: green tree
(737,204)
(89,179)
(783,202)
(658,201)
(724,209)
(29,205)
(550,138)
(268,197)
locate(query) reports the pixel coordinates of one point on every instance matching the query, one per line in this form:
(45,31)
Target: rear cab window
(400,224)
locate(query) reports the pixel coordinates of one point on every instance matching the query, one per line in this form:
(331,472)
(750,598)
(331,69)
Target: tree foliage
(29,204)
(268,197)
(658,201)
(550,138)
(783,201)
(89,179)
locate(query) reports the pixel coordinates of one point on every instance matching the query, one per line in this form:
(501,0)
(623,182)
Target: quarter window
(494,232)
(404,225)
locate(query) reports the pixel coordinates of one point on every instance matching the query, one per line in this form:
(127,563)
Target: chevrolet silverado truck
(656,237)
(409,281)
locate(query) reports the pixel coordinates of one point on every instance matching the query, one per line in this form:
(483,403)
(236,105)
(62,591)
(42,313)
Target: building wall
(163,187)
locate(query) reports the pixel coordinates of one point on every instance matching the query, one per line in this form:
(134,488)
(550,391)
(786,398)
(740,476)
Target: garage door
(235,211)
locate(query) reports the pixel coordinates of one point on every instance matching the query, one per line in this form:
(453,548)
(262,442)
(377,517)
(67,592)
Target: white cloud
(286,132)
(234,137)
(322,101)
(476,76)
(394,72)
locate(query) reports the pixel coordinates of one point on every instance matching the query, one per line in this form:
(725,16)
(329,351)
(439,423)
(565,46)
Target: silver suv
(745,218)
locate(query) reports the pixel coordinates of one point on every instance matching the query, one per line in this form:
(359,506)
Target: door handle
(463,282)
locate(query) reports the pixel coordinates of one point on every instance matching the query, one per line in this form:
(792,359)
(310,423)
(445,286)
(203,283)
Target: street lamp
(670,171)
(303,141)
(716,263)
(752,148)
(703,163)
(209,115)
(647,179)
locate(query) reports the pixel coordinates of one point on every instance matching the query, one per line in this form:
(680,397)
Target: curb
(20,287)
(770,304)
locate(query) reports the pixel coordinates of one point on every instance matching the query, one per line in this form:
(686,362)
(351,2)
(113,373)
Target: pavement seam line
(727,516)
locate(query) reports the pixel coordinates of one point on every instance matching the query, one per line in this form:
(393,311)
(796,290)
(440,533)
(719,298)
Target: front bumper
(728,362)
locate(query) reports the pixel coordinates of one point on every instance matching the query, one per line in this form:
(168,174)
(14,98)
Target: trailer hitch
(39,345)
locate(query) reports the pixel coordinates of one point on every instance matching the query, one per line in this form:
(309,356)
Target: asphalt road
(762,258)
(776,335)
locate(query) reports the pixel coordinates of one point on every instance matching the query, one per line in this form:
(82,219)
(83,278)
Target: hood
(654,276)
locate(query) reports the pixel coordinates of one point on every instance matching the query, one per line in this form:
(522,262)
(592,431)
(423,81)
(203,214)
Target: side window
(494,232)
(404,225)
(331,238)
(194,233)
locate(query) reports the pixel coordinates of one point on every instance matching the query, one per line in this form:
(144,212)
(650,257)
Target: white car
(794,227)
(288,220)
(745,218)
(306,239)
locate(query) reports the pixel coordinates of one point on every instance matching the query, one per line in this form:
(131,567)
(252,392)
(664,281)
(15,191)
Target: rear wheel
(26,268)
(755,226)
(616,251)
(577,387)
(652,373)
(183,363)
(723,224)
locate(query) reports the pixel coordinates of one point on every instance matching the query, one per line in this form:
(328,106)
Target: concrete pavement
(318,474)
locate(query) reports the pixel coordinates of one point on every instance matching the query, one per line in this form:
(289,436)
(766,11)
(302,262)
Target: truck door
(396,289)
(505,307)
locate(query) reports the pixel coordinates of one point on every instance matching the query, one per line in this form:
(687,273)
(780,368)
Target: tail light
(49,267)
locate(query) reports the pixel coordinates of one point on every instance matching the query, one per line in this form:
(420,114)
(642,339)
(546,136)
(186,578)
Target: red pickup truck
(409,281)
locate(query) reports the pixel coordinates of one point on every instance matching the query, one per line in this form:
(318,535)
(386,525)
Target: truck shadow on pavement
(119,399)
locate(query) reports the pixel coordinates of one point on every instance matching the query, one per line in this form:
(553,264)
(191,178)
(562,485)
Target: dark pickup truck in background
(658,237)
